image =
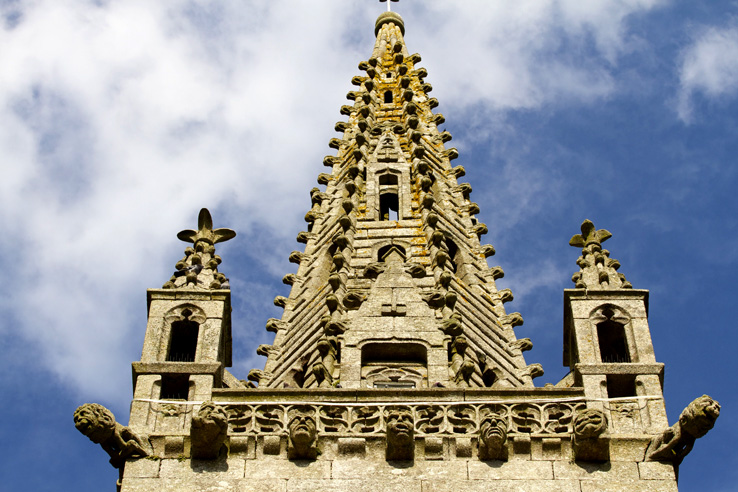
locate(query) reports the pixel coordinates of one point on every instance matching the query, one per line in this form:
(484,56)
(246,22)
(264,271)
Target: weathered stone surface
(419,470)
(221,469)
(258,469)
(373,485)
(522,485)
(595,471)
(654,470)
(142,468)
(511,470)
(614,485)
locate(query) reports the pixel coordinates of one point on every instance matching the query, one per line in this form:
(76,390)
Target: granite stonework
(395,365)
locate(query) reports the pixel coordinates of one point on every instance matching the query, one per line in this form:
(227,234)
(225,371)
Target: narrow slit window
(388,97)
(612,341)
(388,206)
(183,341)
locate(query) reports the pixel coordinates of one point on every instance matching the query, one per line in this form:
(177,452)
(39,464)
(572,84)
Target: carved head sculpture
(492,438)
(303,433)
(589,424)
(400,434)
(95,421)
(493,431)
(209,431)
(699,416)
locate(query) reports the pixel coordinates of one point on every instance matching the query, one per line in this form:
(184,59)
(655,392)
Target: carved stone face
(493,431)
(589,424)
(302,430)
(95,421)
(400,427)
(211,419)
(699,416)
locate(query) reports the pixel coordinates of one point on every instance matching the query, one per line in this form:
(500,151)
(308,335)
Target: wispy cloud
(709,68)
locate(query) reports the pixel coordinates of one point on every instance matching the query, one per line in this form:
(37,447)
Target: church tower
(395,365)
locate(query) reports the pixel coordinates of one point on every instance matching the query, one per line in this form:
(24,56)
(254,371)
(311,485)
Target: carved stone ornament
(400,434)
(303,435)
(208,431)
(678,440)
(492,438)
(588,443)
(121,443)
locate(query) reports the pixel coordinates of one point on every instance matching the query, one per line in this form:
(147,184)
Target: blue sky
(120,120)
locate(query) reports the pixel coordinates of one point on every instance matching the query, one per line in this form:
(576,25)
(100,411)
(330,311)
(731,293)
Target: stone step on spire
(392,197)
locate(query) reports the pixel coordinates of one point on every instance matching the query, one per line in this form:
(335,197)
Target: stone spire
(393,287)
(198,269)
(597,270)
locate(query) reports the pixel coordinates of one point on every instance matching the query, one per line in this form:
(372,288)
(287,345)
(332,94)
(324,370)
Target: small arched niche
(181,334)
(394,365)
(610,323)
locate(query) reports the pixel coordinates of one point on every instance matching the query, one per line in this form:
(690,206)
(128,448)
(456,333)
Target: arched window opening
(613,344)
(175,387)
(394,365)
(389,206)
(388,97)
(388,180)
(386,249)
(388,75)
(183,341)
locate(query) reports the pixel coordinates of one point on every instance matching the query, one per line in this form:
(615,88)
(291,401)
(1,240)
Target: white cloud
(709,67)
(119,120)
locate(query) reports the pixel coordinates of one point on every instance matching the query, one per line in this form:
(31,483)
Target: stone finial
(205,231)
(589,235)
(588,443)
(99,425)
(199,267)
(303,435)
(208,431)
(400,434)
(678,440)
(597,270)
(492,438)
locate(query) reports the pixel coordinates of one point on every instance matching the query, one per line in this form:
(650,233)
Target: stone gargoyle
(303,436)
(492,438)
(400,434)
(588,443)
(121,443)
(208,431)
(678,440)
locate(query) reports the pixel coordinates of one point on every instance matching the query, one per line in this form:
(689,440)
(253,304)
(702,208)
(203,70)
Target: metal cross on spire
(388,4)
